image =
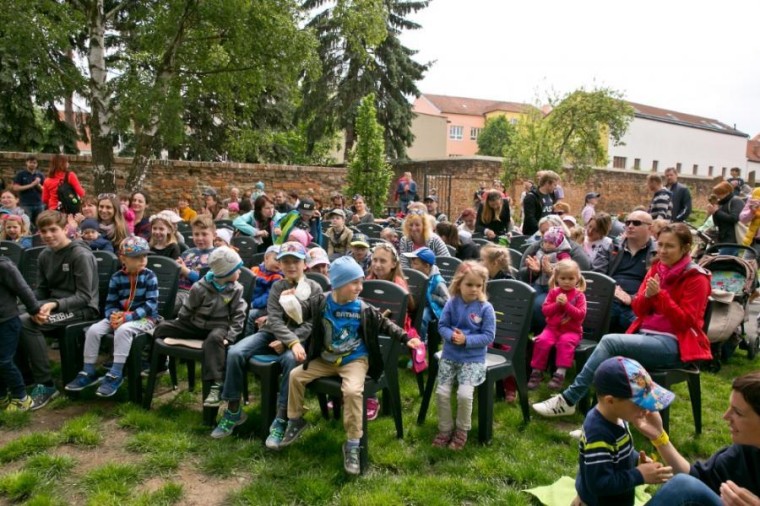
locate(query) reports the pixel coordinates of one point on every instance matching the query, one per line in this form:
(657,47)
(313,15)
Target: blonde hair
(171,238)
(120,226)
(416,206)
(396,272)
(469,267)
(577,234)
(496,255)
(657,226)
(426,229)
(17,219)
(566,266)
(489,215)
(203,222)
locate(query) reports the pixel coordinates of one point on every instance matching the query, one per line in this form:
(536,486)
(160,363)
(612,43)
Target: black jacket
(534,210)
(726,216)
(500,226)
(13,285)
(373,324)
(681,200)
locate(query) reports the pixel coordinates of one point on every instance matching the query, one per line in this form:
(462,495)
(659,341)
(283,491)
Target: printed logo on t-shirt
(65,267)
(475,318)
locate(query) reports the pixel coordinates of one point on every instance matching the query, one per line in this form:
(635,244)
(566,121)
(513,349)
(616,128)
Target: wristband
(661,440)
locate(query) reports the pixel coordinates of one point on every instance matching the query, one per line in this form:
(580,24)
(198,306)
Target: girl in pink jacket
(564,309)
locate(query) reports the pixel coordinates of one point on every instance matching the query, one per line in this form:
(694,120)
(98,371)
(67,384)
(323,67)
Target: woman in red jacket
(667,332)
(59,167)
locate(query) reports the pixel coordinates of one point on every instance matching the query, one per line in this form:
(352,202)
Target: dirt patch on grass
(45,419)
(198,489)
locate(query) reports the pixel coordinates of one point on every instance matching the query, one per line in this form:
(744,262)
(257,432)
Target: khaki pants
(352,387)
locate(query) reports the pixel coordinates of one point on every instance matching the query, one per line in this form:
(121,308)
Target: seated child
(565,310)
(275,341)
(609,466)
(13,395)
(360,251)
(467,327)
(340,346)
(496,259)
(90,232)
(300,235)
(127,213)
(214,311)
(223,237)
(184,210)
(338,236)
(14,230)
(131,309)
(437,294)
(194,259)
(163,235)
(390,235)
(267,273)
(318,261)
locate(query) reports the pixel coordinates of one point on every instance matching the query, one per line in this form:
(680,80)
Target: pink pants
(565,342)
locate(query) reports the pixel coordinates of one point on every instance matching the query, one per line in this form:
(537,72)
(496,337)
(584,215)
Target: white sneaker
(556,406)
(576,434)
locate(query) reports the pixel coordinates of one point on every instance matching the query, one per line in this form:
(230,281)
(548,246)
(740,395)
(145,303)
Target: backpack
(68,199)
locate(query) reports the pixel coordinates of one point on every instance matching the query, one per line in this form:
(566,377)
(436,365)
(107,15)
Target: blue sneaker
(82,381)
(276,434)
(109,385)
(41,395)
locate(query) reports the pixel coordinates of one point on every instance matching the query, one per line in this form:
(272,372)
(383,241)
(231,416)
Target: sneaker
(576,434)
(557,381)
(145,368)
(41,395)
(109,385)
(82,381)
(228,422)
(458,440)
(442,439)
(536,377)
(556,406)
(276,434)
(214,398)
(293,431)
(373,408)
(24,404)
(351,459)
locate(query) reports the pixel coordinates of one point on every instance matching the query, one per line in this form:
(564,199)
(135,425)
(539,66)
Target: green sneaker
(41,395)
(293,431)
(228,423)
(351,459)
(24,404)
(276,434)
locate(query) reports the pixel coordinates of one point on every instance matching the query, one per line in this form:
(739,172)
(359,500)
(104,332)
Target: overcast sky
(700,58)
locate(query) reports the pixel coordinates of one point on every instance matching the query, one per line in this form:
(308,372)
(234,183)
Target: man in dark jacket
(538,202)
(681,196)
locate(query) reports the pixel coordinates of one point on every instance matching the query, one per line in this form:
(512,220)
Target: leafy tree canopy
(495,136)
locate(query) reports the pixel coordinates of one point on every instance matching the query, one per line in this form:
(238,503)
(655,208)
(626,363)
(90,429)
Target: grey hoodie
(13,285)
(207,308)
(278,323)
(69,276)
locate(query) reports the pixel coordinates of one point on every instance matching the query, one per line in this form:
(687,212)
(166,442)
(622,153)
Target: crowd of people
(657,314)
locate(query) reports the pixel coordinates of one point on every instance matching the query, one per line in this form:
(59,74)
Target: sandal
(442,439)
(557,381)
(459,440)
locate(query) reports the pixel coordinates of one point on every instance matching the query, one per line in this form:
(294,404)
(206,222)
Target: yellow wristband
(290,346)
(661,440)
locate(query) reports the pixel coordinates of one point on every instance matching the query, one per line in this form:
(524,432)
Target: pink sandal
(442,439)
(459,440)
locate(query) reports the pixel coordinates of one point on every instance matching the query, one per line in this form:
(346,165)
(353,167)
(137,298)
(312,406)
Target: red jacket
(684,305)
(50,189)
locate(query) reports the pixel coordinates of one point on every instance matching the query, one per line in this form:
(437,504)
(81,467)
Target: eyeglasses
(559,213)
(103,196)
(417,212)
(636,223)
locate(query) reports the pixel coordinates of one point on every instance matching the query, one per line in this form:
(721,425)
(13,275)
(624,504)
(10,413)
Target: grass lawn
(91,451)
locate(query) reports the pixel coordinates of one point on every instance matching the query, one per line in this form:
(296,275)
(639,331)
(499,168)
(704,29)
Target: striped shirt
(135,294)
(607,473)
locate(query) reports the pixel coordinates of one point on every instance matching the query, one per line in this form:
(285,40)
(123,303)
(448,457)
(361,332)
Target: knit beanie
(554,236)
(344,270)
(89,224)
(224,262)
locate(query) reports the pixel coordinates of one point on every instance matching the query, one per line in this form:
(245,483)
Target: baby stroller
(734,280)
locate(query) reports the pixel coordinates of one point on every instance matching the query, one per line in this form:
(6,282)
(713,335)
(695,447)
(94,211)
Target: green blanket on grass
(562,492)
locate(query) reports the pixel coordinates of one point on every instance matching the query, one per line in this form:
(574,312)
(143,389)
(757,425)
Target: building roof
(753,149)
(683,119)
(473,106)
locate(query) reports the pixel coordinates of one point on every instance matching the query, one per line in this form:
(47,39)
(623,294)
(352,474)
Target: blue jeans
(10,377)
(250,323)
(621,317)
(237,362)
(685,490)
(653,351)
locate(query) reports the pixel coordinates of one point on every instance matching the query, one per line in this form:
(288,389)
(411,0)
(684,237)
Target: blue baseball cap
(424,254)
(627,379)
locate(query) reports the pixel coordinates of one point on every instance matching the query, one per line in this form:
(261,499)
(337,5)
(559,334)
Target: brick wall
(169,178)
(621,190)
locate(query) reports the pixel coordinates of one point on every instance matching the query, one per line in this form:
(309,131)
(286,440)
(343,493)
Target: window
(655,163)
(695,169)
(618,162)
(724,172)
(456,132)
(678,167)
(710,171)
(474,133)
(637,163)
(514,121)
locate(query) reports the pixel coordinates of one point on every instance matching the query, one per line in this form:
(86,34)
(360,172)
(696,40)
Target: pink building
(465,118)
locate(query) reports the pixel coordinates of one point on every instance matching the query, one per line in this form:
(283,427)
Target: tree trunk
(104,178)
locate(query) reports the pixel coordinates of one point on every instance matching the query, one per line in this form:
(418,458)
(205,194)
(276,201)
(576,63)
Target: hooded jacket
(536,205)
(283,327)
(684,305)
(13,285)
(69,276)
(207,308)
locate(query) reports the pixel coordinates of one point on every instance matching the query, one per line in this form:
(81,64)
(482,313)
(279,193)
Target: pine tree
(369,174)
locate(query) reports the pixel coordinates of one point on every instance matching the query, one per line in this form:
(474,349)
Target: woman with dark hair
(732,475)
(214,208)
(667,332)
(493,216)
(452,236)
(725,213)
(596,241)
(258,223)
(138,203)
(59,169)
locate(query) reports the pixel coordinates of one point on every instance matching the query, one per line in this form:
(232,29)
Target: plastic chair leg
(191,376)
(148,397)
(522,392)
(323,406)
(134,364)
(421,383)
(209,414)
(432,375)
(695,392)
(173,372)
(486,393)
(268,400)
(364,452)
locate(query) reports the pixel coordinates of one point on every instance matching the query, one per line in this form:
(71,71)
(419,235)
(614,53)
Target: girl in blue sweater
(467,326)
